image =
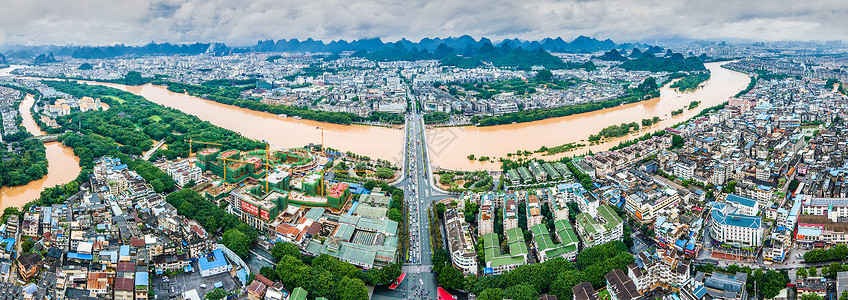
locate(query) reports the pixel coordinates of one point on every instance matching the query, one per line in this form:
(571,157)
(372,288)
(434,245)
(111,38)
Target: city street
(420,193)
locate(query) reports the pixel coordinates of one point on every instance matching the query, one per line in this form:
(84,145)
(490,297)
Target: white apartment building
(596,231)
(657,268)
(460,243)
(684,169)
(732,228)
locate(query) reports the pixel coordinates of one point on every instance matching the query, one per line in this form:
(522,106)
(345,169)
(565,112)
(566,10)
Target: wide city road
(420,193)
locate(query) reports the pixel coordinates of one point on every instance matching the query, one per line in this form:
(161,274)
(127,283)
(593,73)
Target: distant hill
(463,45)
(44,59)
(3,62)
(675,62)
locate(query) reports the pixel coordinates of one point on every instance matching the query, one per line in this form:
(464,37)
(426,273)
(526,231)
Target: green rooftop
(587,223)
(298,294)
(506,260)
(612,219)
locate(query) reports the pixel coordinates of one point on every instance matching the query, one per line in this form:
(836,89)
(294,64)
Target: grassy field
(121,101)
(156,118)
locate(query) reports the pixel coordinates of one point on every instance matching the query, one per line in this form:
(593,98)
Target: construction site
(263,182)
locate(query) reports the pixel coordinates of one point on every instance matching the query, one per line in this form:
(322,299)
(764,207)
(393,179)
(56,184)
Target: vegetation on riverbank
(232,96)
(28,159)
(646,90)
(458,181)
(747,89)
(691,82)
(614,131)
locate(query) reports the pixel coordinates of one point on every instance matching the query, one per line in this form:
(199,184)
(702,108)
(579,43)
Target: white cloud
(98,22)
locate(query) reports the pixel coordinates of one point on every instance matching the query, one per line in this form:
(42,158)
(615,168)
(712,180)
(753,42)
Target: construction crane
(190,142)
(265,163)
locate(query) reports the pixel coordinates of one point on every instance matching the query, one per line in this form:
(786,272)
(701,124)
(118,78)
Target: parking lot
(170,287)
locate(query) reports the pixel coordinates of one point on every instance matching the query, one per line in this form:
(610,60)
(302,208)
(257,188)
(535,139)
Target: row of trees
(646,90)
(839,252)
(231,96)
(556,276)
(325,276)
(829,271)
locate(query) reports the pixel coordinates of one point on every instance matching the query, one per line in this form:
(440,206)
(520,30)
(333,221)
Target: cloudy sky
(98,22)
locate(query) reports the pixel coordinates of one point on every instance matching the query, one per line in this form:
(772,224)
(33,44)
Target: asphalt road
(420,193)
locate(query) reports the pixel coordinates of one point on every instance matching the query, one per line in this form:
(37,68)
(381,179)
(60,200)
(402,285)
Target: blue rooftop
(125,250)
(74,255)
(741,200)
(141,279)
(10,244)
(217,260)
(732,219)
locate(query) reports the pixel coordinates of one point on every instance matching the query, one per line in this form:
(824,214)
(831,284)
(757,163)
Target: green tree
(216,294)
(802,272)
(450,277)
(544,75)
(812,271)
(237,241)
(284,248)
(351,289)
(565,281)
(395,215)
(491,294)
(385,173)
(811,296)
(27,245)
(9,211)
(290,270)
(521,292)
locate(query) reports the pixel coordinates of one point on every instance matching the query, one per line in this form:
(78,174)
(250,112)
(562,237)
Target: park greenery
(691,82)
(135,124)
(646,90)
(22,158)
(436,117)
(518,86)
(458,181)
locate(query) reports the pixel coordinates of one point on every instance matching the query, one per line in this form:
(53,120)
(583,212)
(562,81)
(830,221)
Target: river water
(376,142)
(450,146)
(63,165)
